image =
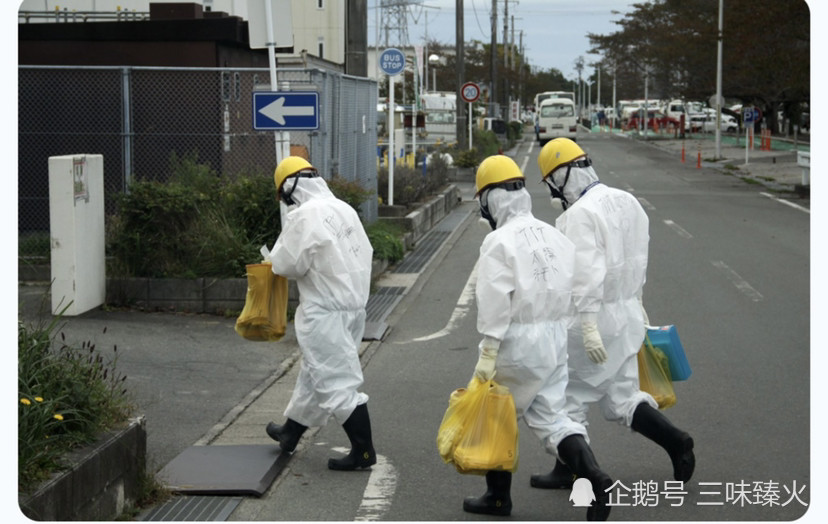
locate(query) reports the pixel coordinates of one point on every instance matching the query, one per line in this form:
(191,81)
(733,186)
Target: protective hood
(309,188)
(505,205)
(579,179)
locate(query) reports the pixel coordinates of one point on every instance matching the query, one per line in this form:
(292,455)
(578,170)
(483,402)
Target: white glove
(485,368)
(593,345)
(644,312)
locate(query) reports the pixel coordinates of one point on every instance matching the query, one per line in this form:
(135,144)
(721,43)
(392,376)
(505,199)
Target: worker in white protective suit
(523,294)
(610,231)
(323,246)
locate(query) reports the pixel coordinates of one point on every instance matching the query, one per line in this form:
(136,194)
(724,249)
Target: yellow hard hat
(289,166)
(494,170)
(556,153)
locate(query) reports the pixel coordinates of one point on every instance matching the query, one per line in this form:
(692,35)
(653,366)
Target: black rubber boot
(497,499)
(651,423)
(576,453)
(561,477)
(358,429)
(287,435)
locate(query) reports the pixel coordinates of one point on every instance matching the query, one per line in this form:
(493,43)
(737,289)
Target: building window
(320,4)
(321,48)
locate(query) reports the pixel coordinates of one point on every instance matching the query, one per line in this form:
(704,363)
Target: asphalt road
(728,266)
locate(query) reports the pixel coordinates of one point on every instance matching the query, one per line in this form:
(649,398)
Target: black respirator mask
(287,195)
(484,199)
(558,191)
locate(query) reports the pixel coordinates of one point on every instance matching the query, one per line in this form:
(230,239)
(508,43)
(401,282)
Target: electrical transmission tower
(394,21)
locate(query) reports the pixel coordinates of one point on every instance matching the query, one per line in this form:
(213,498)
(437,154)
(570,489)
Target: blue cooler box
(667,340)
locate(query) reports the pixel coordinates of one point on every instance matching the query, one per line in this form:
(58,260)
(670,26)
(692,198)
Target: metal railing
(81,16)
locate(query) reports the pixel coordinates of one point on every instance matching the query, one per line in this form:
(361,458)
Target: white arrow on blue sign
(285,111)
(392,61)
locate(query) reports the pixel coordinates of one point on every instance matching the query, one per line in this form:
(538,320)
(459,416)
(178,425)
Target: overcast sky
(554,31)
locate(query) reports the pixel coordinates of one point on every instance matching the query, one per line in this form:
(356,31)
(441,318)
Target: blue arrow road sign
(285,111)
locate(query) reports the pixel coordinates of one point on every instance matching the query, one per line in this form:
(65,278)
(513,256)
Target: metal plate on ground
(223,470)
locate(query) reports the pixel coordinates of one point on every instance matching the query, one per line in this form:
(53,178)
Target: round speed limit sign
(470,92)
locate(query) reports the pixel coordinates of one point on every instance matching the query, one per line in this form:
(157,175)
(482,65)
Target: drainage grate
(381,302)
(417,259)
(198,508)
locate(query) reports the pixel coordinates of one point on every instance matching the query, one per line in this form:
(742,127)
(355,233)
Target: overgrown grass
(66,397)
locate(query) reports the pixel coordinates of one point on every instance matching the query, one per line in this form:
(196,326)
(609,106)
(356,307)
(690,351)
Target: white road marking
(646,204)
(523,165)
(782,201)
(464,303)
(737,281)
(678,229)
(382,483)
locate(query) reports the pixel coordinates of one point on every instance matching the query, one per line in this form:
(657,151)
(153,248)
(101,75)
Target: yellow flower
(58,416)
(25,401)
(39,399)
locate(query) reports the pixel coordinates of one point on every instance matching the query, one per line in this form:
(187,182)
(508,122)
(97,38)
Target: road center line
(646,204)
(737,281)
(782,201)
(678,229)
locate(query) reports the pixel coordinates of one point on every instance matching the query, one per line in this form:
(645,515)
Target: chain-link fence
(139,117)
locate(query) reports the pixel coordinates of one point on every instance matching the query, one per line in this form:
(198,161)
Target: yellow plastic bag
(264,317)
(479,430)
(654,375)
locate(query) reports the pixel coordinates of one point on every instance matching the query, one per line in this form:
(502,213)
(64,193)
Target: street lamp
(435,60)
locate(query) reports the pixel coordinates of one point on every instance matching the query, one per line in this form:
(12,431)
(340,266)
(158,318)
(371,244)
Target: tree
(766,50)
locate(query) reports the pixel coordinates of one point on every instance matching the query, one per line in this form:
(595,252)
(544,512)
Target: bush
(67,397)
(197,224)
(349,191)
(385,239)
(412,185)
(194,225)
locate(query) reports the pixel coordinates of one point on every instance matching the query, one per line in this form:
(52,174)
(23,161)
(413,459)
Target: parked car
(653,117)
(695,123)
(729,124)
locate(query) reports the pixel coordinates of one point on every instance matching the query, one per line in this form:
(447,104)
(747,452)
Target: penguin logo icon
(582,495)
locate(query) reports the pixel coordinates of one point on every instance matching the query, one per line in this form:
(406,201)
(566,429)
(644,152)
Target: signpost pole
(391,153)
(271,56)
(470,126)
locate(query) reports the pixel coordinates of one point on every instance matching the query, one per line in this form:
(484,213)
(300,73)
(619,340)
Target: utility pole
(460,107)
(506,91)
(493,69)
(719,88)
(520,76)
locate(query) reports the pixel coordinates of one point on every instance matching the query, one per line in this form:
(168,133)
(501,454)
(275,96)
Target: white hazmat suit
(610,231)
(323,246)
(524,278)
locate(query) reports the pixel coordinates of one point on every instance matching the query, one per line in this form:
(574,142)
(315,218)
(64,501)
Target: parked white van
(556,118)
